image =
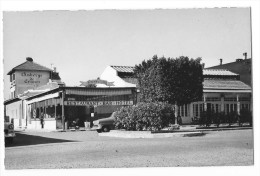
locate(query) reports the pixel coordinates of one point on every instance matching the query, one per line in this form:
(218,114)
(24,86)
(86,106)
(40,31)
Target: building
(223,91)
(30,75)
(60,105)
(242,67)
(27,79)
(45,94)
(121,76)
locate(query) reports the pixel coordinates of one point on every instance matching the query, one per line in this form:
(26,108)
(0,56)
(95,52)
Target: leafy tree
(177,81)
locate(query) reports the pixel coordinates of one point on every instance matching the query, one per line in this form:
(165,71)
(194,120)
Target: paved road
(87,150)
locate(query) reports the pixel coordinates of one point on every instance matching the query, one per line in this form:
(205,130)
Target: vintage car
(9,131)
(104,125)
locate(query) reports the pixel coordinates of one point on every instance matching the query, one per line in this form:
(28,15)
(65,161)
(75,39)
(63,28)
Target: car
(105,124)
(9,131)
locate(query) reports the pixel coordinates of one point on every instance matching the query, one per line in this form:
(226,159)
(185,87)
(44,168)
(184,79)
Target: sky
(81,44)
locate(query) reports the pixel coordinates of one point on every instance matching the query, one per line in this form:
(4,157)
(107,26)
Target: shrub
(245,117)
(206,118)
(144,116)
(216,118)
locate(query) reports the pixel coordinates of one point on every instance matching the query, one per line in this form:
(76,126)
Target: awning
(46,97)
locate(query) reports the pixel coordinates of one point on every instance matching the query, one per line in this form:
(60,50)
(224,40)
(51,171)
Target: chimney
(29,59)
(54,69)
(245,54)
(220,61)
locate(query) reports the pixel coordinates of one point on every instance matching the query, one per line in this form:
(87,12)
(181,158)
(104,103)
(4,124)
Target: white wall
(110,75)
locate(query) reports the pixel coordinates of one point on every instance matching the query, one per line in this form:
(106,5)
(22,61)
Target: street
(85,149)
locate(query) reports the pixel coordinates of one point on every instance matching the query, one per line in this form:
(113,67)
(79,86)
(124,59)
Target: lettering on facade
(33,77)
(97,103)
(31,74)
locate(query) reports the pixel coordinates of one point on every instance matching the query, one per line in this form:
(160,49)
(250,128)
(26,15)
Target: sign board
(96,81)
(92,114)
(97,103)
(34,113)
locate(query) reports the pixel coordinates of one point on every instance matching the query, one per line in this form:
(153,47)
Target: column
(63,115)
(205,103)
(55,104)
(238,105)
(222,103)
(176,112)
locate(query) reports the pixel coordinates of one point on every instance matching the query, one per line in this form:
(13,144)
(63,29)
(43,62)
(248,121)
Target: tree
(175,81)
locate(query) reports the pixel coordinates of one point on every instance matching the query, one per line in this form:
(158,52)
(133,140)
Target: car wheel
(99,131)
(105,129)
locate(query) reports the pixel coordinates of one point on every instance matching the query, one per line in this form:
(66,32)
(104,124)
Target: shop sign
(97,103)
(34,113)
(96,81)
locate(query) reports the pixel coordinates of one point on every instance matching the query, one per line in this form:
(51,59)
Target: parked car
(9,130)
(104,125)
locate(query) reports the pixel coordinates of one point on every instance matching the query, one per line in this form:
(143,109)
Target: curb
(148,134)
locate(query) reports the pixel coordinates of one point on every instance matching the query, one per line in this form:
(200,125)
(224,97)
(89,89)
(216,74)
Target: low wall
(49,124)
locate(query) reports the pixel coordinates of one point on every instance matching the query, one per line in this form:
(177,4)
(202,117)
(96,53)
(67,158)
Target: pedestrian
(42,119)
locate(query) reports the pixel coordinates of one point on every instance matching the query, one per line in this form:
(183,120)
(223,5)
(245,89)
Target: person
(179,120)
(42,119)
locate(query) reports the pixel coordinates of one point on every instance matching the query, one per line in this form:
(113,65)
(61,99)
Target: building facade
(223,91)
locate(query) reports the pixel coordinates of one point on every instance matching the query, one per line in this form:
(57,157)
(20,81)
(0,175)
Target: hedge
(144,116)
(207,118)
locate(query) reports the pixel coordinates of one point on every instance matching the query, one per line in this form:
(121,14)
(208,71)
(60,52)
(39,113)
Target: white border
(145,4)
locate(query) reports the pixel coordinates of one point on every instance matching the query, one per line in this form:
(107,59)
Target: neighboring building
(30,75)
(222,91)
(62,105)
(28,79)
(121,76)
(242,67)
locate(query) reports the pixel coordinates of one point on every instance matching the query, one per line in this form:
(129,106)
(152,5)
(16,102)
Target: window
(213,99)
(230,99)
(182,110)
(186,110)
(244,99)
(231,108)
(227,109)
(201,108)
(235,107)
(13,76)
(196,110)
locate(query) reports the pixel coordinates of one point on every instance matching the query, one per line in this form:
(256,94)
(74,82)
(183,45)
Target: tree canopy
(172,80)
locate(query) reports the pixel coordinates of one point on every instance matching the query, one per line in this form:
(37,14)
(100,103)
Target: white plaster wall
(14,112)
(48,125)
(110,75)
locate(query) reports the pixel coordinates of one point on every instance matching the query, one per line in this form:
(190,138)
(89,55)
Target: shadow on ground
(22,139)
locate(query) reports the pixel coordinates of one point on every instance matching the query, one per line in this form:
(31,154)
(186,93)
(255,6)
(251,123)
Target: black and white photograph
(128,88)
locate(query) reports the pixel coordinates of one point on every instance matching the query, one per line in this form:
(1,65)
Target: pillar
(205,102)
(176,112)
(63,115)
(238,105)
(222,103)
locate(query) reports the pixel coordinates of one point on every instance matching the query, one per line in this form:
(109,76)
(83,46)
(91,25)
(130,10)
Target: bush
(144,116)
(206,118)
(245,117)
(216,118)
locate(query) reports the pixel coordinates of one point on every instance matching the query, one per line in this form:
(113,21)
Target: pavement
(86,149)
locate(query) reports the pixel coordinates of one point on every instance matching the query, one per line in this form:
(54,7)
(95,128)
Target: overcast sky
(82,43)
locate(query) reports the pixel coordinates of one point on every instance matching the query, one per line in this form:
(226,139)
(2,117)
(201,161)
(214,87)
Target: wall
(14,111)
(49,124)
(110,75)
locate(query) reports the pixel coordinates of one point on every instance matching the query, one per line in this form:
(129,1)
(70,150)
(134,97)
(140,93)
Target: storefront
(61,106)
